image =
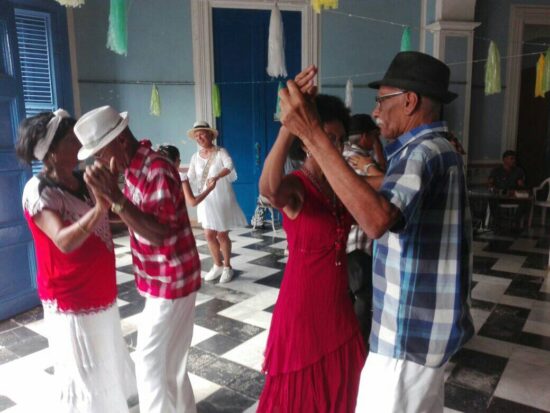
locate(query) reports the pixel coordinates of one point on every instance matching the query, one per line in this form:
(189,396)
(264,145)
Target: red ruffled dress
(314,352)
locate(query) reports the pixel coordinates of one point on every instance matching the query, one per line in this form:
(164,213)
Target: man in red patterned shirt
(165,259)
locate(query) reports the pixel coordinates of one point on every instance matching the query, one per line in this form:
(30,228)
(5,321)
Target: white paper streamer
(349,93)
(276,65)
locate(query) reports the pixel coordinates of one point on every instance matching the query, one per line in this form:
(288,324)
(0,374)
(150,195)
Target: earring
(308,154)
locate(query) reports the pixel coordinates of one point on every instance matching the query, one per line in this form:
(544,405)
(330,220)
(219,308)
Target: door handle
(258,147)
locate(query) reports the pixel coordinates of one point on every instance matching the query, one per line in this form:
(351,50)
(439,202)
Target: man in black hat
(421,221)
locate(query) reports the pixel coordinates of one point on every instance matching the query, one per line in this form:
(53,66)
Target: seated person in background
(173,153)
(508,176)
(363,151)
(506,179)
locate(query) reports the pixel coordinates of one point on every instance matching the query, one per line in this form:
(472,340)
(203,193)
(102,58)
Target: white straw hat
(201,125)
(97,128)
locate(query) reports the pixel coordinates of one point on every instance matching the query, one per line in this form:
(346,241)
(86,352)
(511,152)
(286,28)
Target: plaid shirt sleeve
(406,183)
(161,193)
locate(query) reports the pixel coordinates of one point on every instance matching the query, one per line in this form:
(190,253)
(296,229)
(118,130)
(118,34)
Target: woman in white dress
(219,212)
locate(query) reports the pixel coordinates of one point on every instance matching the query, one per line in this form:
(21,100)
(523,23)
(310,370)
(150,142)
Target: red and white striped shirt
(172,269)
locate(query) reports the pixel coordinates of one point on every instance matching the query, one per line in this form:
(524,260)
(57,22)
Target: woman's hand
(360,161)
(211,183)
(104,182)
(102,204)
(304,81)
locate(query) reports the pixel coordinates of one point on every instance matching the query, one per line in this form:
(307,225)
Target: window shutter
(35,54)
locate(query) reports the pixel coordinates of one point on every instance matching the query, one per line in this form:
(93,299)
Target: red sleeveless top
(83,280)
(314,314)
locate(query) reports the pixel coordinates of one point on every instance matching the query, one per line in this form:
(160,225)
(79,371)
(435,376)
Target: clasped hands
(103,181)
(298,112)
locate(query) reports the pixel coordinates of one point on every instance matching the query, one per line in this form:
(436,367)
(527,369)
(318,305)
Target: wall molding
(203,47)
(519,17)
(442,30)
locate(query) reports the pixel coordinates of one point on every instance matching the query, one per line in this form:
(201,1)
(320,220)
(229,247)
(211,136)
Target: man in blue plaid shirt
(421,221)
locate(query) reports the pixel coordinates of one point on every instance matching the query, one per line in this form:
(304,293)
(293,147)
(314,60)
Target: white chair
(262,207)
(543,203)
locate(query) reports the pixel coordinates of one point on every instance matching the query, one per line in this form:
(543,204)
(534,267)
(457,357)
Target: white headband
(43,145)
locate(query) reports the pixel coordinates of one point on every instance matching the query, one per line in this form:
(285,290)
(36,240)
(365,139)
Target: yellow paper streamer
(327,4)
(546,75)
(540,73)
(155,101)
(216,101)
(492,71)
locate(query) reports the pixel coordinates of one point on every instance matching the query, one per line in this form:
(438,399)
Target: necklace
(316,183)
(337,212)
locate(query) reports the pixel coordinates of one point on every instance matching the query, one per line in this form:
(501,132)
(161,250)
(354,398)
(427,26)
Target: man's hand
(298,112)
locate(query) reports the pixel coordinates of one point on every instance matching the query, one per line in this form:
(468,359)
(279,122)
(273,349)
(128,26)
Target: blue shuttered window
(34,40)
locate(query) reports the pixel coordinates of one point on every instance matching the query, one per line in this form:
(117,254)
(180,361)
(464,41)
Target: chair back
(542,192)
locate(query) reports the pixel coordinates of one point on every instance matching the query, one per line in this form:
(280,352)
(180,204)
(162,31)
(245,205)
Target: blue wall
(159,49)
(351,45)
(487,111)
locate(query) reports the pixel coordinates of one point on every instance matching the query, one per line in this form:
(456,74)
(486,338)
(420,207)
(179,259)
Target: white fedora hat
(201,125)
(97,128)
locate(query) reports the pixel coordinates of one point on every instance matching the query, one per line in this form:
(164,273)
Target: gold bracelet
(84,230)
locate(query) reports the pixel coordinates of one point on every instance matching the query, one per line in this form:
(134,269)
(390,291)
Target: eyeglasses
(380,99)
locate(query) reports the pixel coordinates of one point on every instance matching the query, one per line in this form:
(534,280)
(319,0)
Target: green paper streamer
(117,36)
(155,101)
(492,71)
(277,115)
(406,40)
(216,101)
(546,73)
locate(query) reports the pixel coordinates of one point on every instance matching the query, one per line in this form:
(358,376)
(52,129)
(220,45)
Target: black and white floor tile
(504,368)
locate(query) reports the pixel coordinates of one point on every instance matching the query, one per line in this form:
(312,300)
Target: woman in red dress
(314,352)
(76,273)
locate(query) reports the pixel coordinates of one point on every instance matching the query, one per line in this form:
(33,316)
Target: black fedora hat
(420,73)
(361,123)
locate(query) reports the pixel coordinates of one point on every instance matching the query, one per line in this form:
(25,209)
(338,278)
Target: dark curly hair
(32,129)
(169,151)
(330,108)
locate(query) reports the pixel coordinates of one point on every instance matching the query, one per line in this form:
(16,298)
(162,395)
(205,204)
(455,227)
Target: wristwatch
(118,207)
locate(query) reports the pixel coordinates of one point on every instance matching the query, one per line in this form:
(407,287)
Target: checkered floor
(504,368)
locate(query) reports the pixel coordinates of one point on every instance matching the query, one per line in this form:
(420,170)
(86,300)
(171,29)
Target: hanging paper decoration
(154,107)
(546,74)
(216,102)
(117,37)
(276,65)
(277,115)
(327,4)
(492,71)
(406,40)
(538,81)
(349,93)
(71,3)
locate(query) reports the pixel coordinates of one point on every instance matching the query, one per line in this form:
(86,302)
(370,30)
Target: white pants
(390,385)
(164,337)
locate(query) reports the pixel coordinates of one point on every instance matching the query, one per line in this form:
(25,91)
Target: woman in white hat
(219,212)
(76,273)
